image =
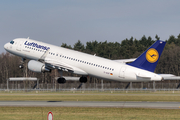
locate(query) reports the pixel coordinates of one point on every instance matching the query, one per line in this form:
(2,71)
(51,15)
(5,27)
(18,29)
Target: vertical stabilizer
(149,59)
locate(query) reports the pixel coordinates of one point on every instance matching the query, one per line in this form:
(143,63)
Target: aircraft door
(122,72)
(20,43)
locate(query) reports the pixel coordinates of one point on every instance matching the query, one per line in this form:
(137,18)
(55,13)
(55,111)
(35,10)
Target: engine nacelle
(37,66)
(61,80)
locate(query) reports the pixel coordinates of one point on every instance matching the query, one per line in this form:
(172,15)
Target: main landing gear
(83,79)
(62,80)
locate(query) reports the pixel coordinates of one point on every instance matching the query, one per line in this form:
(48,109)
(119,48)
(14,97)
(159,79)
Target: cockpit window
(12,42)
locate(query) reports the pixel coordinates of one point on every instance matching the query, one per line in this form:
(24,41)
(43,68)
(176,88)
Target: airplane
(45,57)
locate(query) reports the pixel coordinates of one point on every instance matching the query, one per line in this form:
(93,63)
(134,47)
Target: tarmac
(156,105)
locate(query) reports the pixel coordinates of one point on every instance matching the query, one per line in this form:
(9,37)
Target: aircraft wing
(125,60)
(169,77)
(57,64)
(52,63)
(44,55)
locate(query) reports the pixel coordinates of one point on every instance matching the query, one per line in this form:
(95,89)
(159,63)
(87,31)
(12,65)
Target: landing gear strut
(21,66)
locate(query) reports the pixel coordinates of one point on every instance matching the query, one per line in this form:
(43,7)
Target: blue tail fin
(149,59)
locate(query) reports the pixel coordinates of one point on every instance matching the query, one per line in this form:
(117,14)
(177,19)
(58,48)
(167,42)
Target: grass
(83,113)
(88,96)
(89,113)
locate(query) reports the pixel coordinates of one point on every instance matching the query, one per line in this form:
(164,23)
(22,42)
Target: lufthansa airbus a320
(45,57)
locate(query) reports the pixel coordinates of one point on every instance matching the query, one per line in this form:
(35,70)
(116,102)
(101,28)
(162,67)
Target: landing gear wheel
(61,80)
(21,66)
(83,79)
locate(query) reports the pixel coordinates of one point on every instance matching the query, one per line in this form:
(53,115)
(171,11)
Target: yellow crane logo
(152,55)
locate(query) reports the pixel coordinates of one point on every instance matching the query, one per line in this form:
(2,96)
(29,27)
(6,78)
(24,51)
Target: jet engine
(37,66)
(61,80)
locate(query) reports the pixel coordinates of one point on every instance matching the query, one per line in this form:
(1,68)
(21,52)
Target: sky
(67,21)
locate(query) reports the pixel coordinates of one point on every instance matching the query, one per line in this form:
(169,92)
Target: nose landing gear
(21,66)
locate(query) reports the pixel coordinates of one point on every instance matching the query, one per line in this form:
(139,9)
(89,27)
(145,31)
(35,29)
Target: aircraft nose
(6,46)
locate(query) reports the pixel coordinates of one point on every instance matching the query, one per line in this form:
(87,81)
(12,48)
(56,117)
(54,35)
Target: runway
(158,105)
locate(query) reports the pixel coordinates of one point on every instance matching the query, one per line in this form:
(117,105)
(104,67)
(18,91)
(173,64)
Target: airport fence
(149,86)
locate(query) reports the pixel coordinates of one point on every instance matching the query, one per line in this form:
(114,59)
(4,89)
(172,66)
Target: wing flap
(63,66)
(57,64)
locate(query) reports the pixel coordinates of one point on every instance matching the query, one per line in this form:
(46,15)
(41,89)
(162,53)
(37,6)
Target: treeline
(169,62)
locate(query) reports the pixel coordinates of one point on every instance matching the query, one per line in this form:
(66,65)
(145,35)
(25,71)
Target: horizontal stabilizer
(169,77)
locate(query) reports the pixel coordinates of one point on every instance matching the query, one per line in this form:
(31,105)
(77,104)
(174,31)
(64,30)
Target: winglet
(149,59)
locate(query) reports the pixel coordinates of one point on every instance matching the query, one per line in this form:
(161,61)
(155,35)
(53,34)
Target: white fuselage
(92,65)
